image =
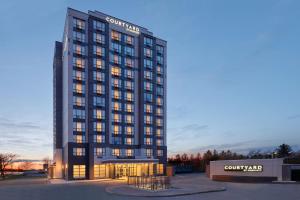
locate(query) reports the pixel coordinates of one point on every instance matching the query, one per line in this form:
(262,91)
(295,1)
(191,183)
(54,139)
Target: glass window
(98,89)
(78,62)
(99,126)
(99,152)
(159,111)
(159,101)
(116,118)
(148,75)
(78,36)
(160,59)
(149,152)
(160,152)
(129,107)
(159,69)
(116,94)
(116,35)
(98,25)
(129,62)
(78,75)
(116,106)
(129,130)
(99,51)
(116,59)
(159,132)
(99,63)
(148,86)
(116,47)
(78,171)
(148,63)
(129,39)
(160,49)
(129,51)
(148,119)
(129,152)
(159,80)
(128,96)
(78,88)
(159,142)
(148,130)
(78,101)
(147,108)
(116,129)
(79,126)
(129,73)
(116,140)
(78,49)
(129,85)
(129,119)
(98,76)
(99,38)
(79,139)
(147,52)
(78,151)
(99,138)
(159,91)
(148,41)
(148,97)
(98,114)
(159,122)
(78,23)
(98,101)
(129,141)
(116,152)
(78,114)
(116,71)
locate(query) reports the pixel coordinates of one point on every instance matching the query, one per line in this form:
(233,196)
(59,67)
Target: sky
(233,71)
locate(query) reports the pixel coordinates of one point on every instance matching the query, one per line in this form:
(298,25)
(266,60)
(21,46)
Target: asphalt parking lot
(42,190)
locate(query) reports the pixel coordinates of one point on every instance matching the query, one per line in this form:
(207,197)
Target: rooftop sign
(128,27)
(243,168)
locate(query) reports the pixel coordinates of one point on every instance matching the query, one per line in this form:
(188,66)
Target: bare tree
(27,165)
(5,160)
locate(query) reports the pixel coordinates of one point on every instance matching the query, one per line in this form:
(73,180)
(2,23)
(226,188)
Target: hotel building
(109,99)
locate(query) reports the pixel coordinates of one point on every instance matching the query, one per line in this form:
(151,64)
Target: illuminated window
(147,108)
(129,152)
(148,141)
(129,141)
(159,101)
(99,152)
(129,130)
(78,75)
(98,76)
(99,114)
(116,118)
(129,107)
(98,25)
(99,138)
(149,152)
(79,139)
(99,38)
(129,119)
(99,51)
(78,151)
(116,106)
(78,114)
(160,169)
(159,132)
(148,119)
(116,35)
(159,80)
(159,111)
(78,23)
(116,94)
(99,126)
(129,96)
(116,129)
(129,39)
(98,101)
(99,63)
(148,130)
(79,126)
(116,152)
(116,59)
(98,89)
(129,62)
(78,101)
(78,88)
(159,69)
(78,49)
(116,71)
(160,152)
(148,75)
(159,142)
(78,62)
(116,82)
(159,122)
(78,171)
(100,171)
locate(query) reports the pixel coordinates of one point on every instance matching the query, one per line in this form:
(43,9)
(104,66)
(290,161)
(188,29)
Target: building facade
(109,99)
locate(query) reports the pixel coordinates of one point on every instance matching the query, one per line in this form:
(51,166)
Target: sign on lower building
(243,168)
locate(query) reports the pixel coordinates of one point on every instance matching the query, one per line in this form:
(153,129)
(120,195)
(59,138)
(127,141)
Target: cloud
(186,131)
(7,123)
(297,116)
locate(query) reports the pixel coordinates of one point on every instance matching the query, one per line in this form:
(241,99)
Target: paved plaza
(43,190)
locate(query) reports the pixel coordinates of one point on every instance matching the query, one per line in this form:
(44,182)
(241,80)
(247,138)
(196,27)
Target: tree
(5,160)
(27,165)
(284,150)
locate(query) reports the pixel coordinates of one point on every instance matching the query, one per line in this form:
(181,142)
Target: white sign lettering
(243,168)
(128,27)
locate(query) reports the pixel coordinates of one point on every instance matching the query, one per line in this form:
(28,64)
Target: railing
(150,182)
